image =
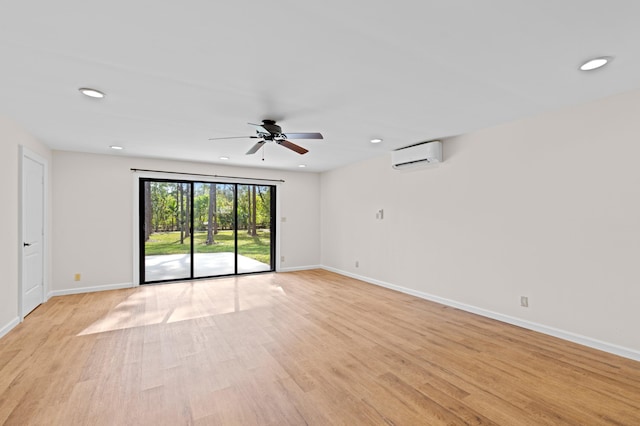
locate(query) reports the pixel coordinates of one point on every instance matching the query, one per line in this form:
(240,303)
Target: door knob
(26,244)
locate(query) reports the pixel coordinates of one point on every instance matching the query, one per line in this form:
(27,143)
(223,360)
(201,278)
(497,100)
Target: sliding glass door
(205,229)
(214,246)
(254,228)
(167,230)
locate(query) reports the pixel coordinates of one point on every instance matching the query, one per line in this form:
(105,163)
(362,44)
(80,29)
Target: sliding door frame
(138,221)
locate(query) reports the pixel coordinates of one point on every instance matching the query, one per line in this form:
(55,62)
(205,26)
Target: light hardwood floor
(297,348)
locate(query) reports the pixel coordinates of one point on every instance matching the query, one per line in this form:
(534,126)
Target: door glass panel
(214,242)
(167,230)
(254,228)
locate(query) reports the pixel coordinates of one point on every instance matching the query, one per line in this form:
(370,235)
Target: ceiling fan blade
(259,128)
(256,147)
(292,146)
(304,135)
(235,137)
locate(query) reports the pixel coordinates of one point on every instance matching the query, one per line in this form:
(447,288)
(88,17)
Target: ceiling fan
(269,131)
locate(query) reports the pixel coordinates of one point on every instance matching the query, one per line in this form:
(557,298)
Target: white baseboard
(562,334)
(7,328)
(299,268)
(90,289)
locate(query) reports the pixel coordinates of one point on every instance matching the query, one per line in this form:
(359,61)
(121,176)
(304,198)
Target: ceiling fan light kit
(269,131)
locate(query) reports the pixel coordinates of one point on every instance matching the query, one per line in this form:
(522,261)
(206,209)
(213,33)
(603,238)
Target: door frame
(24,153)
(139,174)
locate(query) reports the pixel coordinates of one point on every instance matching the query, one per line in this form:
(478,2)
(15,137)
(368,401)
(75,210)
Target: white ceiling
(178,73)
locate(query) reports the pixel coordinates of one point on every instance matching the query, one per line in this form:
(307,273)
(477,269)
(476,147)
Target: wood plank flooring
(297,348)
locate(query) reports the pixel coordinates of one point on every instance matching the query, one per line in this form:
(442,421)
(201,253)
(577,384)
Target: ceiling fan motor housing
(272,127)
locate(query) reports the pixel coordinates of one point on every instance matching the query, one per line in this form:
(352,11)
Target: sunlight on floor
(170,303)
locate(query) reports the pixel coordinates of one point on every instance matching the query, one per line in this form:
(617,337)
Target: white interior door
(33,211)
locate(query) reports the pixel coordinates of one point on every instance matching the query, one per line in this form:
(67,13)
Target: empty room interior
(269,213)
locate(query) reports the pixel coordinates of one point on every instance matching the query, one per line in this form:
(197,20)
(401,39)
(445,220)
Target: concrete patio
(177,266)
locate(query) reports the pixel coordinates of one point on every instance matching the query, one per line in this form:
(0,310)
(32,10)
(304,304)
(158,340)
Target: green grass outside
(258,248)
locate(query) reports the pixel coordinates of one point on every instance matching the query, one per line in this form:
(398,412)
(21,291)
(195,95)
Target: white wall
(11,137)
(547,207)
(93,214)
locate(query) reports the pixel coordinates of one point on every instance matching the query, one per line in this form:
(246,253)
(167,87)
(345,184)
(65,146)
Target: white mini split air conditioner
(417,155)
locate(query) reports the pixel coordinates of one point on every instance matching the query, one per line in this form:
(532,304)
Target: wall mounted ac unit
(417,155)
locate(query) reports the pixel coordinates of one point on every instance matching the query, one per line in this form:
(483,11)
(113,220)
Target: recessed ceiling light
(595,63)
(376,140)
(116,147)
(92,93)
(224,158)
(302,166)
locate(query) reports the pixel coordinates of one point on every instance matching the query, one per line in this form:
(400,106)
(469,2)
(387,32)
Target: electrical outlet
(281,258)
(76,277)
(357,264)
(524,301)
